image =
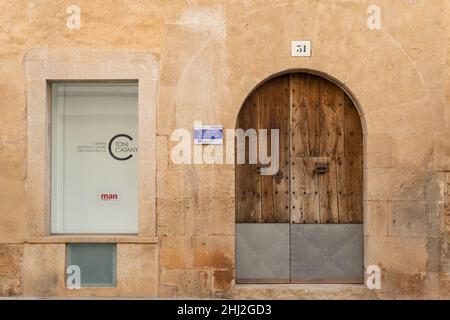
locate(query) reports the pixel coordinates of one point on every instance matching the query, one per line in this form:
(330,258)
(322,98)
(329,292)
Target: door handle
(259,169)
(321,168)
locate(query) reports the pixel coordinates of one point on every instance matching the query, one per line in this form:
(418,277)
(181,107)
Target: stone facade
(211,55)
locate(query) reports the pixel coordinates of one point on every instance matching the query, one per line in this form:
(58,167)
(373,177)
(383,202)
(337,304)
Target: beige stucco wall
(211,54)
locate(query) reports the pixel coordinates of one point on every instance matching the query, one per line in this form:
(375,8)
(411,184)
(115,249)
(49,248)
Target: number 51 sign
(301,48)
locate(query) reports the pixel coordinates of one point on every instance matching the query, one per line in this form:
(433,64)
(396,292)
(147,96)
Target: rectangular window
(96,263)
(94,158)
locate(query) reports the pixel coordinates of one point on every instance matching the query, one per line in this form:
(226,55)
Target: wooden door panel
(318,123)
(273,103)
(304,191)
(265,198)
(333,131)
(299,117)
(314,197)
(313,101)
(248,184)
(350,168)
(266,108)
(328,192)
(280,192)
(331,115)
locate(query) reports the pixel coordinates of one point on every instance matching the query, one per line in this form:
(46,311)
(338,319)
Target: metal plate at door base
(327,253)
(262,253)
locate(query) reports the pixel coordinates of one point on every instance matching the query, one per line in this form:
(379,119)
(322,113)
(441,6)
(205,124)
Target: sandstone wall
(211,55)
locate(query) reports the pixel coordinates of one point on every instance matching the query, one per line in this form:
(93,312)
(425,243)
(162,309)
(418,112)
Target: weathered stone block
(222,252)
(435,187)
(174,279)
(434,262)
(172,216)
(444,285)
(44,269)
(379,151)
(200,216)
(199,252)
(162,152)
(173,252)
(176,184)
(398,255)
(436,214)
(442,151)
(406,286)
(396,184)
(198,283)
(376,218)
(12,221)
(223,280)
(223,216)
(408,219)
(223,184)
(167,115)
(11,263)
(412,151)
(167,291)
(137,270)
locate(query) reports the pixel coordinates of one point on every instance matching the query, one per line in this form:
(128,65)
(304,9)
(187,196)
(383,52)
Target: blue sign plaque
(208,134)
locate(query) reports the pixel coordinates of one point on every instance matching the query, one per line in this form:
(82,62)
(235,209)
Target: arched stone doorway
(304,223)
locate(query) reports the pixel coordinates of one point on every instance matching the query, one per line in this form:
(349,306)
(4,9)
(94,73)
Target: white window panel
(94,158)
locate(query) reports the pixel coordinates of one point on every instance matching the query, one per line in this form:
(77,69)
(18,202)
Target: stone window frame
(46,66)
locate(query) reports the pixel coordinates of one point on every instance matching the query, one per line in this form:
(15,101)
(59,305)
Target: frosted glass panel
(97,263)
(94,158)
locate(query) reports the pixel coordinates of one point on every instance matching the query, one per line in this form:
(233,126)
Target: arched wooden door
(304,224)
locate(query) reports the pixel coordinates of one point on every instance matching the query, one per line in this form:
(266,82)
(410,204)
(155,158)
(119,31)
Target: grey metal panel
(327,253)
(262,252)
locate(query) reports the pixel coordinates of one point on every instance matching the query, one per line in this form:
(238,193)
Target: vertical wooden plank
(339,102)
(328,198)
(266,105)
(341,191)
(354,162)
(350,168)
(299,116)
(304,191)
(281,180)
(314,105)
(273,114)
(332,146)
(248,185)
(331,119)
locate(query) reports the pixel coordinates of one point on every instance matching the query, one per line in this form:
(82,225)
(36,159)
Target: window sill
(91,239)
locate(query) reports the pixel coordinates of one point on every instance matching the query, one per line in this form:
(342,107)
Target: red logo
(108,196)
